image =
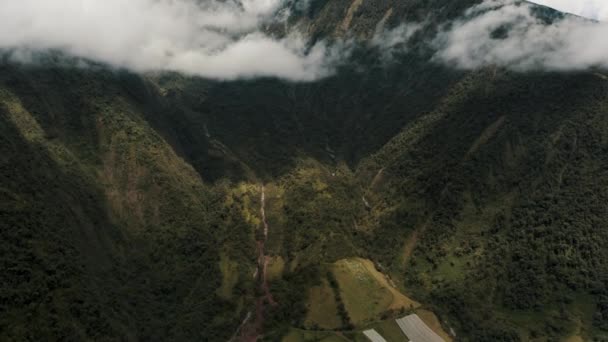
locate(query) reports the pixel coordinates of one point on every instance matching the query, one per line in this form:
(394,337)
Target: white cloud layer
(594,9)
(215,39)
(503,33)
(224,39)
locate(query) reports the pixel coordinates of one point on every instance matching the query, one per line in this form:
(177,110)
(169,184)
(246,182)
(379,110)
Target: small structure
(416,330)
(373,336)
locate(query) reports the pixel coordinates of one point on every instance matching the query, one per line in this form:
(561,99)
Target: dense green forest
(130,204)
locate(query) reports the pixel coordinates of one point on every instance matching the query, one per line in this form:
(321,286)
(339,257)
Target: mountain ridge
(131,203)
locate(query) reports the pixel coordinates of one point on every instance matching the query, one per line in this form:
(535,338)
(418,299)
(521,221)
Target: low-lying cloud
(226,39)
(393,42)
(594,9)
(214,39)
(508,34)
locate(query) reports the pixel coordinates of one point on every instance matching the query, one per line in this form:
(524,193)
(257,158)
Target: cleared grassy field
(390,331)
(230,276)
(296,335)
(366,292)
(399,299)
(276,266)
(364,297)
(322,311)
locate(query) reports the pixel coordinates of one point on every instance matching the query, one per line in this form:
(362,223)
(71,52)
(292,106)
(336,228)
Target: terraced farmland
(374,336)
(416,330)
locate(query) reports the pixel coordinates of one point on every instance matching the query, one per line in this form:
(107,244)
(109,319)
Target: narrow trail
(238,330)
(251,331)
(264,259)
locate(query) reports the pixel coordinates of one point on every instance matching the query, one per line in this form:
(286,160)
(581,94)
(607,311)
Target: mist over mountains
(302,171)
(593,9)
(510,35)
(231,39)
(215,39)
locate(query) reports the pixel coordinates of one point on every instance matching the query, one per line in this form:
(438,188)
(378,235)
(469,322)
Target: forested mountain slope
(130,205)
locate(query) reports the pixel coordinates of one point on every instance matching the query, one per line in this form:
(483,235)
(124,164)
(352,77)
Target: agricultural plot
(322,310)
(433,322)
(373,336)
(296,335)
(390,331)
(416,330)
(366,292)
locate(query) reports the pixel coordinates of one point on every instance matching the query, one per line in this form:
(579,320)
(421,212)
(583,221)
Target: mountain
(161,207)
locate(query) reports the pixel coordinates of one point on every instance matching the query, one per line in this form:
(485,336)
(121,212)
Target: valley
(163,207)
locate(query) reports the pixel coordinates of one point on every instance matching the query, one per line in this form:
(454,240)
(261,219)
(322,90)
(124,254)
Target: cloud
(394,41)
(214,39)
(227,39)
(594,9)
(507,34)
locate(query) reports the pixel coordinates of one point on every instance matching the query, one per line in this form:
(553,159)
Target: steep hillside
(162,207)
(498,197)
(109,232)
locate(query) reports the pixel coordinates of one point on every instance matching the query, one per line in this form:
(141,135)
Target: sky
(594,9)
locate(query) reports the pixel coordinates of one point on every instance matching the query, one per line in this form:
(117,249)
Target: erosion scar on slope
(345,25)
(252,329)
(410,243)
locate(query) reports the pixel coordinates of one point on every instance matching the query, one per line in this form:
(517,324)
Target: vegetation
(322,307)
(130,204)
(342,312)
(504,231)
